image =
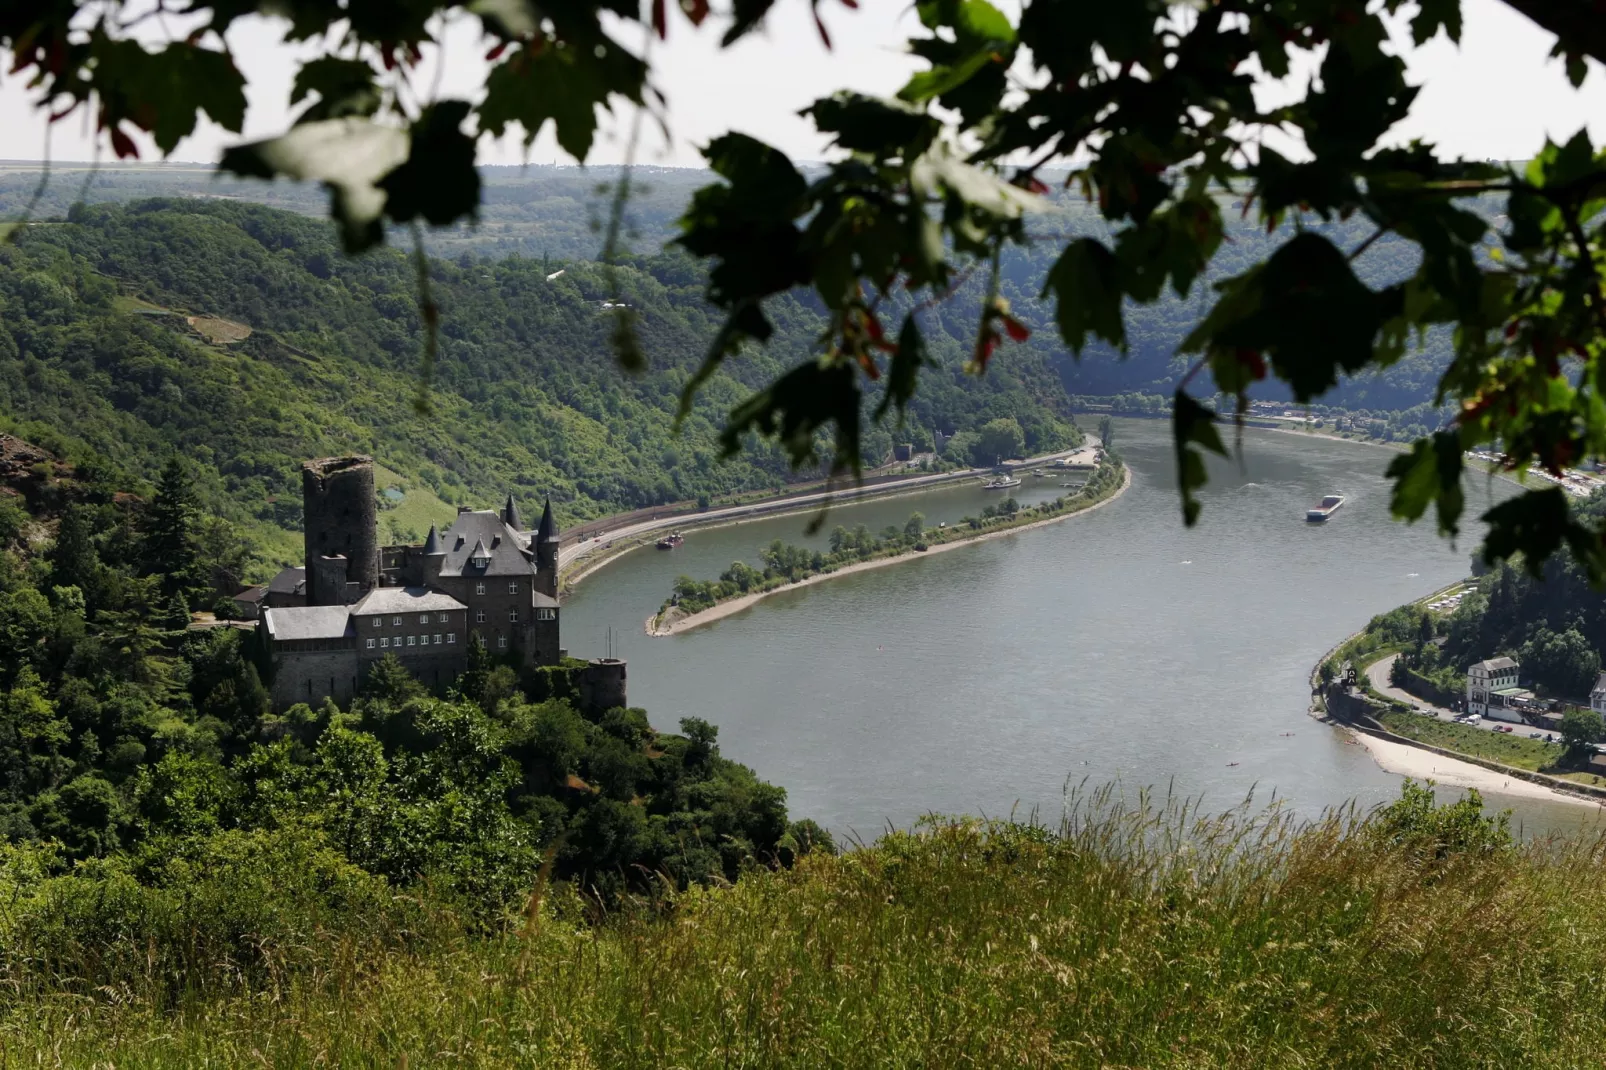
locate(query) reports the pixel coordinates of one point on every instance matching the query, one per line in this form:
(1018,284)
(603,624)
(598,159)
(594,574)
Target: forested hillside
(554,213)
(527,395)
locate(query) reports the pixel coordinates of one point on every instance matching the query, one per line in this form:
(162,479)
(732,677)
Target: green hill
(527,395)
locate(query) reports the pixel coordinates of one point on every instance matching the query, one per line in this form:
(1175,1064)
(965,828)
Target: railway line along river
(1113,646)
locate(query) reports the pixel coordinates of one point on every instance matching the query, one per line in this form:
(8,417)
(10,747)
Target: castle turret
(341,529)
(546,553)
(510,515)
(433,557)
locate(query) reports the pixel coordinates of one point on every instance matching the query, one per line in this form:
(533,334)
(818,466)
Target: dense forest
(556,214)
(100,361)
(140,763)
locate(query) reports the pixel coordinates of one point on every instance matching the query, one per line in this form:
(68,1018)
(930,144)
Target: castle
(483,580)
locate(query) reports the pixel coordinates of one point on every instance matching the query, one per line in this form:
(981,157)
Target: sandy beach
(736,605)
(1425,765)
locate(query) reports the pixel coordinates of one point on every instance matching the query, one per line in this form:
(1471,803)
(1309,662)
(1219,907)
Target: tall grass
(1138,933)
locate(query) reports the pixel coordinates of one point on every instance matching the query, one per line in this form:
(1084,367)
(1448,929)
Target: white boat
(1328,506)
(1001,483)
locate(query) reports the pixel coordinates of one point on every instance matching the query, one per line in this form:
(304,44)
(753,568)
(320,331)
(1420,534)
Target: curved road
(567,555)
(1378,674)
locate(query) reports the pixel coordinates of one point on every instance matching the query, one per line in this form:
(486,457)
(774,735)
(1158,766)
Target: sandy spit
(1425,765)
(736,605)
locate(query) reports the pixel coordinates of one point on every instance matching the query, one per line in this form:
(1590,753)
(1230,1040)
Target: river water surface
(1113,646)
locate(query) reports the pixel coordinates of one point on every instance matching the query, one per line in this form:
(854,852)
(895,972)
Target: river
(1117,646)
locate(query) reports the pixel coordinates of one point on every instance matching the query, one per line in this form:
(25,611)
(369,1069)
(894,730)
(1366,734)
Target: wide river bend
(1113,646)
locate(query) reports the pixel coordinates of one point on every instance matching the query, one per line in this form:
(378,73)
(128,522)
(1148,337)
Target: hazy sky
(1495,95)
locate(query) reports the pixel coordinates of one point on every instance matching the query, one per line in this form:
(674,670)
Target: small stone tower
(341,527)
(603,686)
(546,553)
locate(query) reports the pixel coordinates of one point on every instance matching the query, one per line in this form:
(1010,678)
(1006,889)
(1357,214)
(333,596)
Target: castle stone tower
(341,526)
(546,553)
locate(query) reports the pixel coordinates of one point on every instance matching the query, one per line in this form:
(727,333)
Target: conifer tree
(169,545)
(74,562)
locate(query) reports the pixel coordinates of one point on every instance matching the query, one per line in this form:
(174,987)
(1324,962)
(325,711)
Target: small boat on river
(1001,483)
(1328,506)
(670,541)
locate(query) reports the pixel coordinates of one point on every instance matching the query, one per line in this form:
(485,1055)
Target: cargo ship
(1329,505)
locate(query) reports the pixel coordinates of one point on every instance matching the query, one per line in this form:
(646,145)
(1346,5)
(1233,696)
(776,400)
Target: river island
(694,603)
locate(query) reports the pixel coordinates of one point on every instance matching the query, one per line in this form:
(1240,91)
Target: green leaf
(344,87)
(796,406)
(747,320)
(349,156)
(927,85)
(561,85)
(905,368)
(1431,15)
(971,20)
(879,127)
(972,185)
(162,91)
(508,18)
(1534,526)
(1305,309)
(1087,294)
(1431,472)
(439,181)
(746,15)
(1192,425)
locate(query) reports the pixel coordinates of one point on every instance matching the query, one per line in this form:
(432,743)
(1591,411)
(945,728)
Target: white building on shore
(1492,690)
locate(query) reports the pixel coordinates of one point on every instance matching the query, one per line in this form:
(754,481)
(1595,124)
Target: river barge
(1326,508)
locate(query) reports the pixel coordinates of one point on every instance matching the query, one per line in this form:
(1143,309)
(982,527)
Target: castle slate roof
(503,545)
(510,515)
(433,545)
(1600,684)
(405,600)
(548,530)
(1497,664)
(308,622)
(289,581)
(546,601)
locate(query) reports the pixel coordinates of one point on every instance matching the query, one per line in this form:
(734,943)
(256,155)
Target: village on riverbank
(1480,727)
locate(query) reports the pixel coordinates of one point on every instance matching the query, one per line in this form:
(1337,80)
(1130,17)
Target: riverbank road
(567,555)
(1378,674)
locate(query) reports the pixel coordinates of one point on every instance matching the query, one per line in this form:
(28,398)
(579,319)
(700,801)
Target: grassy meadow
(1139,934)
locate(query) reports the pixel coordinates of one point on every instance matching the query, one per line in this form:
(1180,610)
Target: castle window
(546,614)
(378,621)
(513,616)
(370,644)
(412,640)
(440,618)
(423,618)
(501,642)
(513,587)
(479,616)
(479,588)
(451,638)
(482,642)
(396,622)
(437,638)
(385,643)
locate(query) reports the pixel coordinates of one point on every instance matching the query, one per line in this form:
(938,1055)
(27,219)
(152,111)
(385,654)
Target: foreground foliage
(1136,935)
(1153,106)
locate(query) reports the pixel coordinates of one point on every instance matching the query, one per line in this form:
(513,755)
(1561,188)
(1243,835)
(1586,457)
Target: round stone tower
(602,685)
(341,520)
